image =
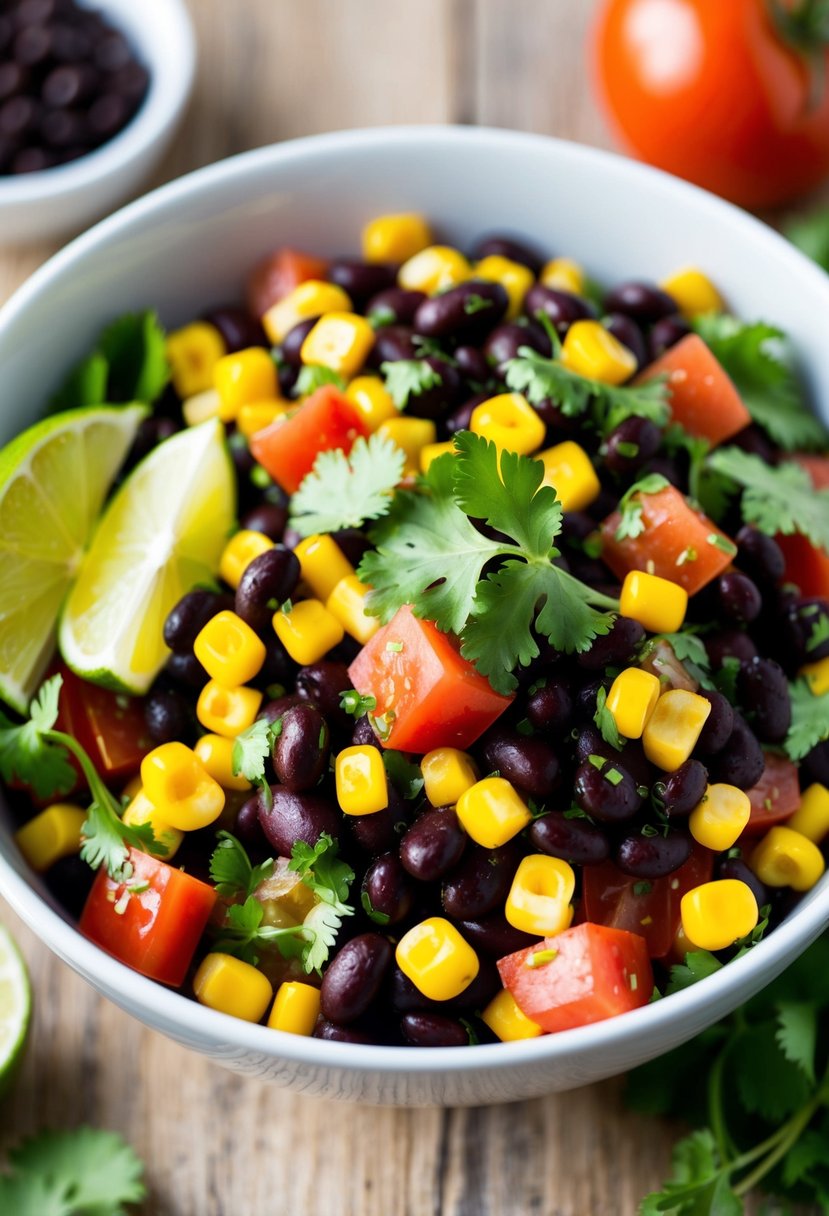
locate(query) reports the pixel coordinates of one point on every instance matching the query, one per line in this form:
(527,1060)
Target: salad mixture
(503,708)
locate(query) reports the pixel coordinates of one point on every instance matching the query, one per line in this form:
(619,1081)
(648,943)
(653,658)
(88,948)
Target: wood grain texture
(221,1145)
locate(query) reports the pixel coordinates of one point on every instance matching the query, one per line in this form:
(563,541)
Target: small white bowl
(189,246)
(36,206)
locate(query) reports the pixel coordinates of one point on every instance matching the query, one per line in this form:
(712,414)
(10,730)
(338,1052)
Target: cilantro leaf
(698,965)
(67,1173)
(630,508)
(29,1195)
(321,870)
(129,363)
(231,870)
(27,756)
(379,918)
(405,776)
(344,490)
(752,354)
(251,750)
(780,499)
(606,723)
(689,650)
(777,1089)
(355,704)
(407,378)
(810,720)
(85,385)
(313,376)
(810,232)
(324,922)
(797,1034)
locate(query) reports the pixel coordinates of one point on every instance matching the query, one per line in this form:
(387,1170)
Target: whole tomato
(730,94)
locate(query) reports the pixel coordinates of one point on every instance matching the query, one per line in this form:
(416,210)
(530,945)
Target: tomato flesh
(278,274)
(287,448)
(596,973)
(703,398)
(775,797)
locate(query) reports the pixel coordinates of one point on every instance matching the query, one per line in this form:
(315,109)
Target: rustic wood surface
(220,1145)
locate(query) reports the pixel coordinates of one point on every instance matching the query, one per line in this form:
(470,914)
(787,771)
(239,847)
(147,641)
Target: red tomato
(109,725)
(806,565)
(703,398)
(775,797)
(651,908)
(429,694)
(279,273)
(155,930)
(288,447)
(671,528)
(817,467)
(595,973)
(709,90)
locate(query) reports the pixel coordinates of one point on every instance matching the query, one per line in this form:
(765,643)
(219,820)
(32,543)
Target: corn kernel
(787,858)
(395,238)
(447,775)
(492,812)
(215,752)
(569,470)
(540,895)
(177,785)
(54,833)
(693,292)
(510,422)
(432,451)
(141,811)
(295,1009)
(411,435)
(347,602)
(433,269)
(132,787)
(505,1019)
(362,786)
(671,732)
(818,676)
(227,711)
(719,819)
(654,602)
(192,353)
(563,274)
(811,818)
(229,650)
(248,375)
(201,407)
(308,631)
(717,914)
(239,552)
(593,351)
(515,279)
(373,400)
(440,963)
(230,986)
(632,699)
(313,298)
(323,564)
(340,341)
(254,416)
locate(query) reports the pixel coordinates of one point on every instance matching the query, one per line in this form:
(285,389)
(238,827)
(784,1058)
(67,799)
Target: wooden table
(221,1145)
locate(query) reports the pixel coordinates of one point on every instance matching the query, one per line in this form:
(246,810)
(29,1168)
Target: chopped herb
(343,490)
(627,449)
(313,376)
(394,647)
(613,776)
(540,958)
(378,318)
(722,543)
(379,918)
(598,762)
(606,722)
(407,378)
(810,720)
(778,498)
(524,727)
(405,776)
(475,303)
(819,634)
(355,704)
(687,555)
(630,507)
(642,888)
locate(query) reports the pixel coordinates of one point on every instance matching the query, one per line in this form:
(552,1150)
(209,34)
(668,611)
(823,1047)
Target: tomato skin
(597,973)
(437,697)
(109,725)
(708,90)
(703,398)
(279,273)
(775,797)
(288,447)
(159,928)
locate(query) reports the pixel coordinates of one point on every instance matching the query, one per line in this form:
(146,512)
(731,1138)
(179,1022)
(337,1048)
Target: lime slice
(53,481)
(162,533)
(15,1007)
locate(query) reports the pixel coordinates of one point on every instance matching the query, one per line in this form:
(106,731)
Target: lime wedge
(162,533)
(53,481)
(15,1007)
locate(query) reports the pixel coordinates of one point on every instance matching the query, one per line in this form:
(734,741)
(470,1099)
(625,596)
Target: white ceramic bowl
(65,199)
(189,245)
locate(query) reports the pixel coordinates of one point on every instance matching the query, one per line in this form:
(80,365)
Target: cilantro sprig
(810,720)
(313,376)
(251,749)
(36,753)
(128,364)
(631,523)
(344,490)
(406,378)
(430,555)
(780,499)
(71,1173)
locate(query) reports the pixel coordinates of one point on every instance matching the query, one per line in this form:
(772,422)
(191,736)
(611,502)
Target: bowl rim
(171,68)
(194,1023)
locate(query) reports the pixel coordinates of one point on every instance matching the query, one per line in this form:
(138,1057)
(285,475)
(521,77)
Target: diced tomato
(806,565)
(817,467)
(703,397)
(651,908)
(109,725)
(428,695)
(775,797)
(154,922)
(677,543)
(594,974)
(288,447)
(279,273)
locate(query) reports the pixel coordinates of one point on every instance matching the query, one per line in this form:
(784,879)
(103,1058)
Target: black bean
(169,716)
(32,160)
(528,762)
(460,418)
(684,789)
(247,826)
(13,79)
(392,343)
(480,882)
(606,791)
(434,402)
(494,935)
(401,303)
(741,761)
(300,753)
(472,364)
(804,620)
(729,644)
(186,620)
(405,997)
(504,343)
(63,128)
(69,880)
(238,328)
(739,596)
(718,725)
(18,117)
(550,707)
(151,431)
(815,765)
(666,332)
(293,817)
(70,43)
(562,307)
(481,991)
(653,856)
(433,845)
(759,555)
(69,85)
(323,685)
(735,867)
(353,542)
(433,1030)
(629,334)
(752,440)
(278,667)
(268,518)
(107,115)
(186,670)
(630,444)
(112,52)
(353,977)
(764,692)
(341,1034)
(277,706)
(388,889)
(380,832)
(575,840)
(613,649)
(33,45)
(266,582)
(133,80)
(643,301)
(363,734)
(467,311)
(362,280)
(291,346)
(667,468)
(515,249)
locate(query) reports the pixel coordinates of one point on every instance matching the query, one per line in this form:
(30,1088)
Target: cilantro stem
(591,597)
(716,1112)
(780,1142)
(97,789)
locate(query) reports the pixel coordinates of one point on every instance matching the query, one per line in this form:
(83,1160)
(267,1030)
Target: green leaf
(606,722)
(810,232)
(324,921)
(252,748)
(810,720)
(379,918)
(407,378)
(343,490)
(797,1035)
(135,348)
(698,965)
(810,1150)
(231,869)
(29,1195)
(631,523)
(404,774)
(778,1087)
(27,756)
(776,499)
(85,385)
(321,870)
(93,1169)
(699,1186)
(313,376)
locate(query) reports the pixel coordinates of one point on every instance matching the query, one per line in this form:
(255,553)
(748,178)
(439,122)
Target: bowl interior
(189,246)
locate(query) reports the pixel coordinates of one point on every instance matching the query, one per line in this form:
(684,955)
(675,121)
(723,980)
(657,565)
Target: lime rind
(15,1007)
